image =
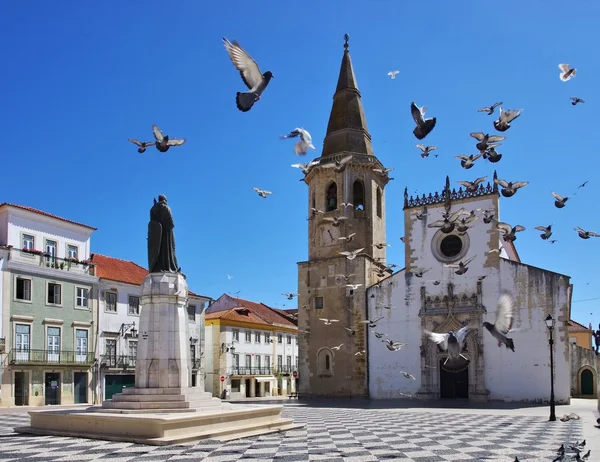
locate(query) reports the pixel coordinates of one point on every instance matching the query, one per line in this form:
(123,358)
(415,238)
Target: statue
(161,239)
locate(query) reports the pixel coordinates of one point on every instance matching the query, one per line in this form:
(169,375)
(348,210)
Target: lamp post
(550,324)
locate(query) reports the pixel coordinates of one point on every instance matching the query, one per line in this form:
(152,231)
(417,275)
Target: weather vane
(346,38)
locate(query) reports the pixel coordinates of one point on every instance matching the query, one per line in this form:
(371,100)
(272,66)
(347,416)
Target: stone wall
(583,359)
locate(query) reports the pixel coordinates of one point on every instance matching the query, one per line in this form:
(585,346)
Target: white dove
(328,321)
(262,193)
(392,74)
(566,72)
(305,142)
(337,347)
(352,254)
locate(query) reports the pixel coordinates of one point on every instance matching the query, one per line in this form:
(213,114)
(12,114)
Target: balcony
(251,371)
(2,346)
(51,357)
(39,258)
(118,361)
(285,369)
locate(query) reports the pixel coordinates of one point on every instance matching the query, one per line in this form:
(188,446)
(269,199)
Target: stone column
(261,389)
(163,346)
(252,387)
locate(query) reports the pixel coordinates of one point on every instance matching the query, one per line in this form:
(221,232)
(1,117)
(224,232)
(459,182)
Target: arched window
(358,195)
(325,362)
(331,199)
(379,211)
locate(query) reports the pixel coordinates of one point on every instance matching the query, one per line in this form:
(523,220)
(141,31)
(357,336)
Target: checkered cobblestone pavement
(331,434)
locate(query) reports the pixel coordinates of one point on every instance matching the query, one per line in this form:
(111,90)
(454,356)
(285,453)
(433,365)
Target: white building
(119,313)
(251,349)
(441,300)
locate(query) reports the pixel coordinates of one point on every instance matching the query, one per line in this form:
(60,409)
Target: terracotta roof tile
(235,314)
(115,269)
(46,214)
(267,313)
(574,326)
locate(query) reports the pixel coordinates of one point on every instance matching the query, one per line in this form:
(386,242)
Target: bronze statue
(161,239)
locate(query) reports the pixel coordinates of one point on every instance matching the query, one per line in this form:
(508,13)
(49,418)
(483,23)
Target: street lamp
(550,324)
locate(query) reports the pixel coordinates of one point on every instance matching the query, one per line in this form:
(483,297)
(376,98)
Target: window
(248,336)
(134,305)
(267,337)
(235,385)
(288,360)
(358,195)
(110,351)
(22,333)
(28,242)
(81,345)
(51,250)
(110,301)
(379,207)
(331,199)
(327,362)
(191,311)
(236,361)
(257,337)
(236,335)
(23,291)
(289,339)
(279,338)
(248,362)
(257,362)
(133,347)
(451,246)
(54,294)
(279,362)
(268,363)
(318,303)
(81,297)
(53,334)
(72,251)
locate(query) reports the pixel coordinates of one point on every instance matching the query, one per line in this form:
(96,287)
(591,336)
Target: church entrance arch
(587,382)
(453,385)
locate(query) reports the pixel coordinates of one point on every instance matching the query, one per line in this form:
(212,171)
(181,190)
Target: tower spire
(347,129)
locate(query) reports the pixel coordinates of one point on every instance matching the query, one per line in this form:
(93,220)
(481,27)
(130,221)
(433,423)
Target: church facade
(340,354)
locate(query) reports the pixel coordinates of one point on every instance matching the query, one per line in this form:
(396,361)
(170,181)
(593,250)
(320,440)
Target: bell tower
(346,209)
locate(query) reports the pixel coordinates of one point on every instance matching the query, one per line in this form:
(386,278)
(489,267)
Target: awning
(266,379)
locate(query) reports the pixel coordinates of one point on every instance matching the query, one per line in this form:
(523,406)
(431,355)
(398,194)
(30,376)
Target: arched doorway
(587,382)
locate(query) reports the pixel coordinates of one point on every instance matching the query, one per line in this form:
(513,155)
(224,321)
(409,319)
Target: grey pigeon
(508,231)
(506,117)
(163,143)
(486,140)
(472,186)
(504,321)
(424,126)
(305,142)
(509,188)
(453,343)
(142,145)
(492,155)
(583,234)
(467,162)
(560,201)
(490,110)
(425,150)
(566,72)
(249,71)
(546,230)
(575,100)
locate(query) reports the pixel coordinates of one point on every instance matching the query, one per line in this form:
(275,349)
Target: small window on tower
(358,195)
(318,303)
(379,208)
(331,203)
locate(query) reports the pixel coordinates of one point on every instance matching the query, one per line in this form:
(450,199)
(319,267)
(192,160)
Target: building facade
(119,313)
(48,309)
(251,349)
(585,363)
(330,285)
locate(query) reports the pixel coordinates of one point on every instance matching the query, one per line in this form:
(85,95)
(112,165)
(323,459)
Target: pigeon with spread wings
(142,145)
(504,321)
(490,110)
(506,117)
(454,344)
(163,143)
(305,142)
(424,126)
(255,80)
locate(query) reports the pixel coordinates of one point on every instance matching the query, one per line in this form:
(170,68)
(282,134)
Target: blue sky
(80,78)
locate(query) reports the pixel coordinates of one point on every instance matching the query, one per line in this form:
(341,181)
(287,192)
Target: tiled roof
(267,313)
(115,269)
(574,326)
(235,314)
(46,214)
(291,314)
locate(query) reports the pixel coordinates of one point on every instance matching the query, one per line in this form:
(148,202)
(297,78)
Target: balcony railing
(118,361)
(45,259)
(285,369)
(2,346)
(251,371)
(54,357)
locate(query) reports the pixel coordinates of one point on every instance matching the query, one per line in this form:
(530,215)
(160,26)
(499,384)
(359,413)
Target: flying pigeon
(393,346)
(490,110)
(256,81)
(372,323)
(582,184)
(306,167)
(486,140)
(509,189)
(566,72)
(348,238)
(560,201)
(328,321)
(492,155)
(575,100)
(289,296)
(352,255)
(506,117)
(546,230)
(504,321)
(335,221)
(339,165)
(472,186)
(583,234)
(425,150)
(448,223)
(467,162)
(392,74)
(509,232)
(262,193)
(453,343)
(382,246)
(142,145)
(163,143)
(305,142)
(462,267)
(424,126)
(488,216)
(337,347)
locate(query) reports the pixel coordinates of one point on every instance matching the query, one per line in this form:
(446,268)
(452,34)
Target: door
(247,388)
(53,344)
(454,384)
(52,388)
(80,384)
(587,382)
(51,251)
(81,346)
(22,332)
(114,384)
(21,389)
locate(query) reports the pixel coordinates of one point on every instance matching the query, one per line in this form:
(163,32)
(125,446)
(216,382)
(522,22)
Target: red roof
(265,312)
(577,327)
(236,314)
(115,269)
(46,214)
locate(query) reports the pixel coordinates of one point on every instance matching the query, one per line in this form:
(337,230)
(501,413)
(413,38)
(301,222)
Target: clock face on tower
(330,235)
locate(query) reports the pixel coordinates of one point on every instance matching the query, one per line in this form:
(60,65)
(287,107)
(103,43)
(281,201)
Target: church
(345,286)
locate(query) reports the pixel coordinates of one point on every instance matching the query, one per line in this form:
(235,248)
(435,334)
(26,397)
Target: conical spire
(347,130)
